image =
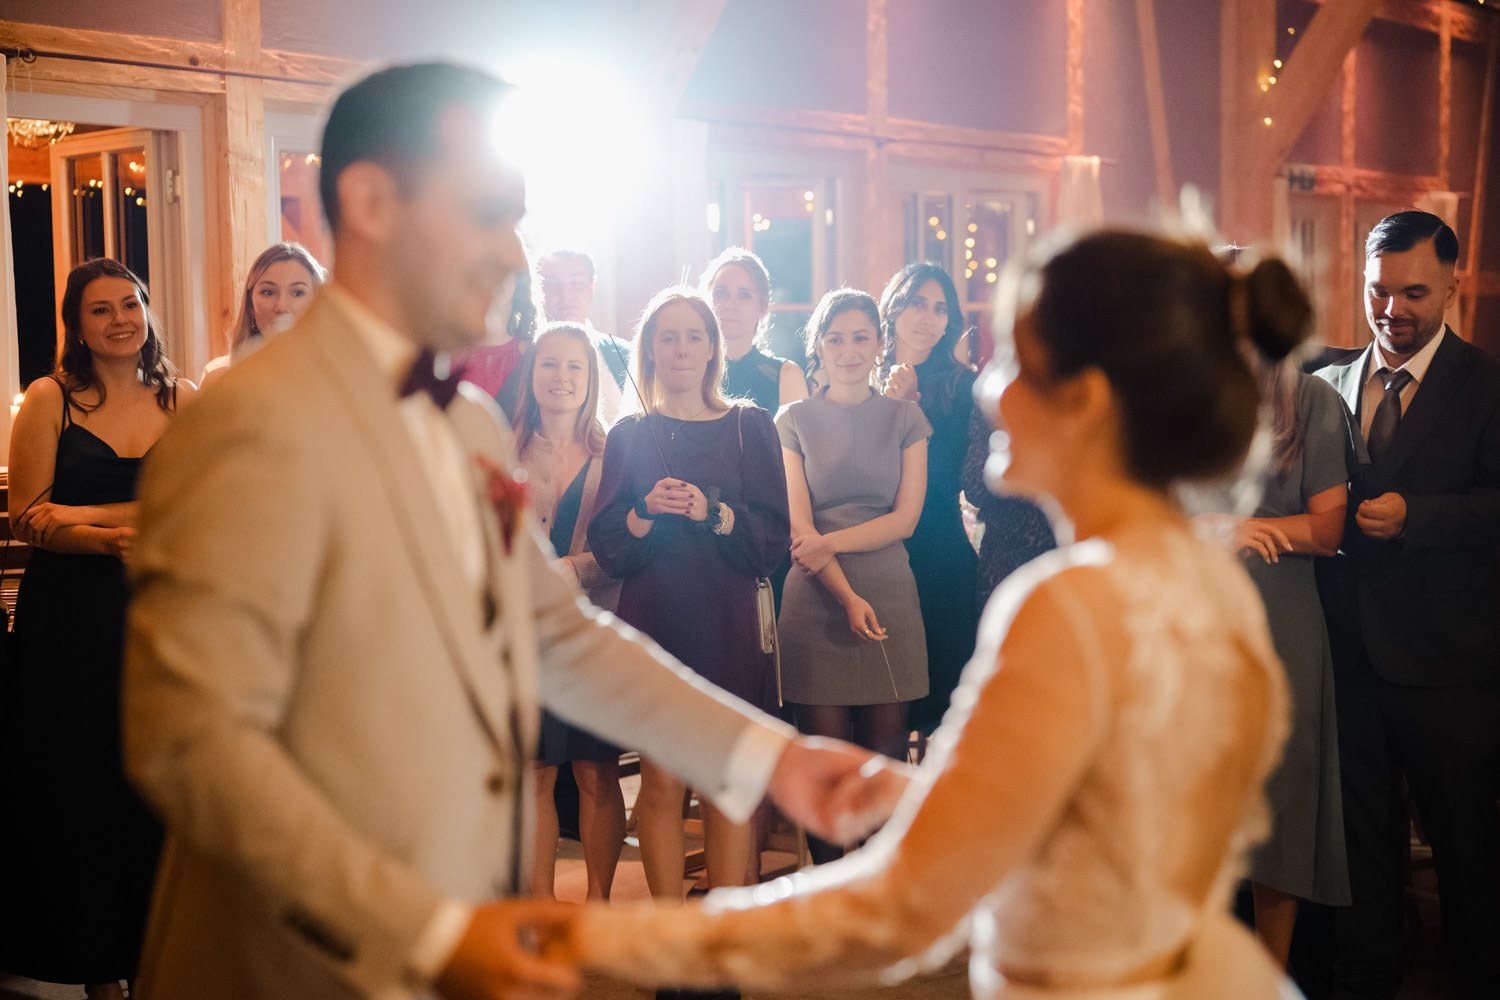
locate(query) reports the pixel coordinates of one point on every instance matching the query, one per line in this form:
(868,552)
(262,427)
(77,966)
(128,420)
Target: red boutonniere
(509,495)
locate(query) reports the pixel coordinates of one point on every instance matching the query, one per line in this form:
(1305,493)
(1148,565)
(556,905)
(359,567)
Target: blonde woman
(692,509)
(561,445)
(277,291)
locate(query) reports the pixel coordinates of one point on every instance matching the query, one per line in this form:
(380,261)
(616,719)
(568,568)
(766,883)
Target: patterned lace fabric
(1089,798)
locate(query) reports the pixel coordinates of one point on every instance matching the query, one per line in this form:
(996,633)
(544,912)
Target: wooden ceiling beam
(677,41)
(170,63)
(167,52)
(1468,24)
(1303,83)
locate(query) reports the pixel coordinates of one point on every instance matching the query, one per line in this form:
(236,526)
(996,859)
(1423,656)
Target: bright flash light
(581,145)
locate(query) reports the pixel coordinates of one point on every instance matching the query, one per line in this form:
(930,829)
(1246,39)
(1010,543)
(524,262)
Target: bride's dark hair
(1168,324)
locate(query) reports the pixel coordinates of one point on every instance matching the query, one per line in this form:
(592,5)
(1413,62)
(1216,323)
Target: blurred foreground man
(343,621)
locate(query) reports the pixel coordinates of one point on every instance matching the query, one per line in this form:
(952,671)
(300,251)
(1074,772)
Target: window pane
(301,209)
(987,245)
(130,211)
(87,181)
(781,232)
(929,234)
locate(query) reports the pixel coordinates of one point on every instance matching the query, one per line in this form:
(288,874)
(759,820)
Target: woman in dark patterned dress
(692,509)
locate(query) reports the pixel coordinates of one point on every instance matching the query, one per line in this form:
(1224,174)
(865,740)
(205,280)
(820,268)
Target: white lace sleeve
(1029,710)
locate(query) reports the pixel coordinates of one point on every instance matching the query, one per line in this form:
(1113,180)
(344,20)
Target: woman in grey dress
(1301,515)
(853,648)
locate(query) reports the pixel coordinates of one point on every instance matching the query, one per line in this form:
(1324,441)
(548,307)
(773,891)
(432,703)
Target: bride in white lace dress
(1087,804)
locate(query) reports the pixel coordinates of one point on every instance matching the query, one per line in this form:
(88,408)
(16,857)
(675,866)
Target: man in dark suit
(1414,615)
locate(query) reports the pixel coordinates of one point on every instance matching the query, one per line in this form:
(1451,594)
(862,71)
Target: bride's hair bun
(1168,324)
(1277,314)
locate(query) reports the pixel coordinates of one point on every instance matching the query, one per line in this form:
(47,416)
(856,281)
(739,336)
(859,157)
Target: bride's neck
(1112,505)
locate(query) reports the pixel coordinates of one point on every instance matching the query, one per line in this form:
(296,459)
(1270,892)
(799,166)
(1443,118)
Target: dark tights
(881,728)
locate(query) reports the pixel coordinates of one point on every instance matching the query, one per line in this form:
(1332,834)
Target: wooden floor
(1425,979)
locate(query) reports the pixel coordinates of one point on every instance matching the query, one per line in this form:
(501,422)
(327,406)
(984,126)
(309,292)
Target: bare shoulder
(42,404)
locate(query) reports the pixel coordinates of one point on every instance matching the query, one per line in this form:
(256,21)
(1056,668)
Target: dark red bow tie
(423,377)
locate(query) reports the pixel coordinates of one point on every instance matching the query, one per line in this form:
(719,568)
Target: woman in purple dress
(692,509)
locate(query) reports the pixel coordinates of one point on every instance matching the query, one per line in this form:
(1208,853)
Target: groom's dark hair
(392,117)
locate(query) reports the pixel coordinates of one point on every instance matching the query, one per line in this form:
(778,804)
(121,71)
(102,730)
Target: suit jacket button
(496,783)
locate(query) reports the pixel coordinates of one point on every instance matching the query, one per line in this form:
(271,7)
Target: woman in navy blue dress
(921,322)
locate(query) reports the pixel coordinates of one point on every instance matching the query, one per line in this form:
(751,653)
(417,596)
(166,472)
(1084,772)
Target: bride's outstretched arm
(990,789)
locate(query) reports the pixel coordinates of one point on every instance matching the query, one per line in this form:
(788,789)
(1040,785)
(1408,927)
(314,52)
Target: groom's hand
(837,791)
(511,950)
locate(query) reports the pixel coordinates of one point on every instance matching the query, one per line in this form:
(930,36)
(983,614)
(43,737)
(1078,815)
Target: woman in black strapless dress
(79,849)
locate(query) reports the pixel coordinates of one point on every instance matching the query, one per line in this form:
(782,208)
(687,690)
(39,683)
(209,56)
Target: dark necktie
(1388,413)
(423,377)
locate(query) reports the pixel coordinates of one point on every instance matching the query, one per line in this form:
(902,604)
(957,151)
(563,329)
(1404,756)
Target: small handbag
(765,597)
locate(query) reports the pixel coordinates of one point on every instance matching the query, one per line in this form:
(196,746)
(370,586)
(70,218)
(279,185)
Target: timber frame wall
(235,81)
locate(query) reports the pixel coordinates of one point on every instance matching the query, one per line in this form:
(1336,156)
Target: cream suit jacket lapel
(369,397)
(481,431)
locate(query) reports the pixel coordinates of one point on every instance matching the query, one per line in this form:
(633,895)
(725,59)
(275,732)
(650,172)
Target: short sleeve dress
(851,456)
(1305,854)
(692,590)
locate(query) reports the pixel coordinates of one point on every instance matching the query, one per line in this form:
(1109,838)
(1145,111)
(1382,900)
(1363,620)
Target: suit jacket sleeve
(599,673)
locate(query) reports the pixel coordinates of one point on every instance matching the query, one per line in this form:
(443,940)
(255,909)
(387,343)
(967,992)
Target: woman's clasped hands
(676,496)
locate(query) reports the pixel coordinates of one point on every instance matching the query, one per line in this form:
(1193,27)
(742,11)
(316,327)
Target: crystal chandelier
(34,133)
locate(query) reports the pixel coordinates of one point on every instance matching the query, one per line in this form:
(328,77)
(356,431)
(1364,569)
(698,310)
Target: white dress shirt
(1374,385)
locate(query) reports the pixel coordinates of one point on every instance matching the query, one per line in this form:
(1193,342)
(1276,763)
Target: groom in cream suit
(340,635)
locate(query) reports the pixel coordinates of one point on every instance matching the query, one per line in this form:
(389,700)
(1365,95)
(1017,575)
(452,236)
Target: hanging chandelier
(34,133)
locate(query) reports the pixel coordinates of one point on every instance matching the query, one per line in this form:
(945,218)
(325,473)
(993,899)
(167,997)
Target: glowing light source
(578,139)
(1267,119)
(942,234)
(34,133)
(1277,62)
(933,221)
(990,262)
(1271,80)
(991,278)
(973,227)
(969,242)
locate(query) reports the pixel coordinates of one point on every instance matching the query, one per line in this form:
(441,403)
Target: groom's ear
(368,201)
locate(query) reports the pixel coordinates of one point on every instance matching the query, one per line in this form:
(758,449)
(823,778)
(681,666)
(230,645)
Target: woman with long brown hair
(83,858)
